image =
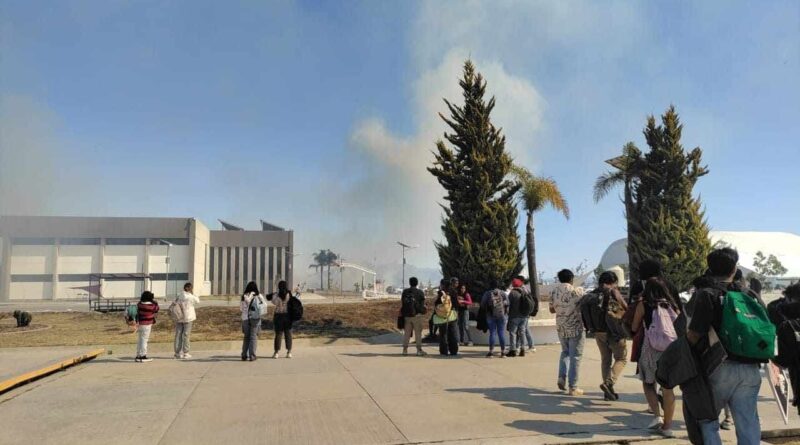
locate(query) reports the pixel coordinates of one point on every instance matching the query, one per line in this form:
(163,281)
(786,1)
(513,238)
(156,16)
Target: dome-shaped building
(785,246)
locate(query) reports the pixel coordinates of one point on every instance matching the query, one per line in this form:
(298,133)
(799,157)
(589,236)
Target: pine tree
(481,244)
(670,224)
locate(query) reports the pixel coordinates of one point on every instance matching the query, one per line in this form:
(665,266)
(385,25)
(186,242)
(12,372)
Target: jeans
(448,338)
(736,385)
(413,324)
(182,332)
(497,326)
(529,333)
(611,347)
(463,331)
(144,337)
(250,329)
(516,335)
(571,353)
(283,327)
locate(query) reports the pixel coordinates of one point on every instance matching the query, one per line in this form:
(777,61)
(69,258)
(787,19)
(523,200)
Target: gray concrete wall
(112,227)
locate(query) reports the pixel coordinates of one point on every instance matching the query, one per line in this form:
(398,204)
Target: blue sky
(322,116)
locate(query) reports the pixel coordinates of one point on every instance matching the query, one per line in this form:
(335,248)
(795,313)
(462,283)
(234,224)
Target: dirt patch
(212,324)
(784,440)
(11,328)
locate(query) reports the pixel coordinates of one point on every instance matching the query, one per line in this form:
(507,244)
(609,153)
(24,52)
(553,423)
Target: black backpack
(592,312)
(525,302)
(295,309)
(408,304)
(789,343)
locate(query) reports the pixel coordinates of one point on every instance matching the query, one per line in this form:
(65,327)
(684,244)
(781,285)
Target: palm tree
(536,192)
(330,260)
(320,260)
(629,167)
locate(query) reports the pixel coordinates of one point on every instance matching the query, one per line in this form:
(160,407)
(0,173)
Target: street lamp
(405,246)
(166,260)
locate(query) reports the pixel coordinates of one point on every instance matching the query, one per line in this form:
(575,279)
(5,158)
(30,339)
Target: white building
(49,258)
(785,246)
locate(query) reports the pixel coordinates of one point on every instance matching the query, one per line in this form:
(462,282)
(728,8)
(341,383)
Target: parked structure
(48,258)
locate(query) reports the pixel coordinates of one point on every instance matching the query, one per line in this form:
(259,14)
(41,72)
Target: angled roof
(267,227)
(229,226)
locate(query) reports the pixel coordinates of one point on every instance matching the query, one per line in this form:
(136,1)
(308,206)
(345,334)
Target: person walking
(146,317)
(656,313)
(519,310)
(736,380)
(281,320)
(564,302)
(534,312)
(464,303)
(183,328)
(610,344)
(252,307)
(445,316)
(413,310)
(494,304)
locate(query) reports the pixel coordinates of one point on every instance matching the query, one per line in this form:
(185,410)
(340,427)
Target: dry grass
(212,324)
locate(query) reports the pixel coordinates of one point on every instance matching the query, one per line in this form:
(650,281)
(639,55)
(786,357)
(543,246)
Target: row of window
(96,241)
(66,278)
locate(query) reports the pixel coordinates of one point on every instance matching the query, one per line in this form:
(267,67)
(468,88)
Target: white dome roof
(785,246)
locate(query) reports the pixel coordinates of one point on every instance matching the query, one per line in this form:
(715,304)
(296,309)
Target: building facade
(51,258)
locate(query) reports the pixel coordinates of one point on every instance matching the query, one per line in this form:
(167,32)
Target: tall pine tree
(481,244)
(669,223)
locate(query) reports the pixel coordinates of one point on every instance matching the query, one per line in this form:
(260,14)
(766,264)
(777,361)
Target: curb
(30,376)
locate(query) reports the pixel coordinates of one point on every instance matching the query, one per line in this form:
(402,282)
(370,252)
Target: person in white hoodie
(183,328)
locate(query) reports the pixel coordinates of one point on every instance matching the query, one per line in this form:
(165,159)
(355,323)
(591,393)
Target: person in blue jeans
(518,313)
(564,302)
(737,380)
(495,304)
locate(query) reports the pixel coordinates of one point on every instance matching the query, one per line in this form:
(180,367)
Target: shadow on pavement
(549,406)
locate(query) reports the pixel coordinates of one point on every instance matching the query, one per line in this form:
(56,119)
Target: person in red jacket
(146,316)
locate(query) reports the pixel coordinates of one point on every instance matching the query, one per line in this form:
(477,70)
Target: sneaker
(421,353)
(405,351)
(512,353)
(244,358)
(562,385)
(253,358)
(502,355)
(656,423)
(522,352)
(575,392)
(726,424)
(145,359)
(667,432)
(177,356)
(288,354)
(613,393)
(187,356)
(607,392)
(275,355)
(137,359)
(489,354)
(469,343)
(532,349)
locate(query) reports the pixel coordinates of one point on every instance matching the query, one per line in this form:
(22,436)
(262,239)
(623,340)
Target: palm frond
(606,182)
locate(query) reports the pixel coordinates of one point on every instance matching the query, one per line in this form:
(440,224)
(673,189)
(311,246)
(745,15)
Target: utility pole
(166,277)
(405,246)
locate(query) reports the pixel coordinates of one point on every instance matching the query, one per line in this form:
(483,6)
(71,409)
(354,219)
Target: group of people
(704,345)
(253,307)
(499,310)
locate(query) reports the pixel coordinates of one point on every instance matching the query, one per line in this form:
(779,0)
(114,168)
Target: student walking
(281,319)
(520,306)
(253,306)
(464,303)
(656,314)
(564,302)
(445,316)
(611,344)
(494,304)
(413,310)
(183,328)
(736,380)
(146,317)
(534,312)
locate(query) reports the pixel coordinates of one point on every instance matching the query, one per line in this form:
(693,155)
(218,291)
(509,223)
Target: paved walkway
(340,394)
(18,361)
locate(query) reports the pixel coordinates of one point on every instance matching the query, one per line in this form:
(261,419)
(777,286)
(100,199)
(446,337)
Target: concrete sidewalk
(341,394)
(18,361)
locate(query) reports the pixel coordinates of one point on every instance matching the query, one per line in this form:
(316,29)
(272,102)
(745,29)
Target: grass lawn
(212,324)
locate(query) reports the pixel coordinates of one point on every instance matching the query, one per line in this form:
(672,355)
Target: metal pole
(403,282)
(166,278)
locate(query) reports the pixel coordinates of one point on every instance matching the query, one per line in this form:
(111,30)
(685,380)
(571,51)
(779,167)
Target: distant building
(785,246)
(50,258)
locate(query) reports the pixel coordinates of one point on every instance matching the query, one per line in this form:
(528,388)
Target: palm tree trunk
(321,272)
(630,215)
(329,276)
(530,250)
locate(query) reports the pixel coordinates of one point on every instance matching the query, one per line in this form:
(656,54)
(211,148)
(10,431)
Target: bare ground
(212,324)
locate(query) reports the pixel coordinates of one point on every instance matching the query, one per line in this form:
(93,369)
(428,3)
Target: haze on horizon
(321,116)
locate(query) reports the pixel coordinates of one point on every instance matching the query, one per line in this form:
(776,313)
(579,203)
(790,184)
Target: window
(237,273)
(173,241)
(79,241)
(228,270)
(181,276)
(74,277)
(33,241)
(126,241)
(271,269)
(254,255)
(31,278)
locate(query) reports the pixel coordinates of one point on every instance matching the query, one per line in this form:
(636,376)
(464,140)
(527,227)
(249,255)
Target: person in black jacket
(787,316)
(413,309)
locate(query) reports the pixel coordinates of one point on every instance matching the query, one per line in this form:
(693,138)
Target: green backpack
(745,329)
